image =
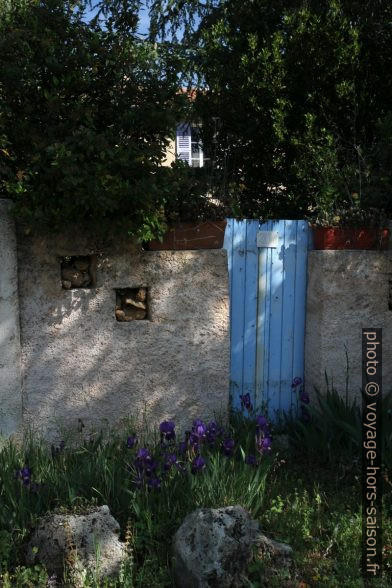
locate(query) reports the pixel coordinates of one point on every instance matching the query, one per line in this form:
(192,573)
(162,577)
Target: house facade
(187,146)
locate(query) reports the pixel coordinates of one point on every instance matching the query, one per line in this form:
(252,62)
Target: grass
(317,510)
(101,471)
(308,500)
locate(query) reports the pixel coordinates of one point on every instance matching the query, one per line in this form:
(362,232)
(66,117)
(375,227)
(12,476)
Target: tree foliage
(86,113)
(295,99)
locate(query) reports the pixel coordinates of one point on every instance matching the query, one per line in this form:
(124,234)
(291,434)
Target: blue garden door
(267,280)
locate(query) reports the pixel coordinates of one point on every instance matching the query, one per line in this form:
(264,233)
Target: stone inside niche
(131,304)
(77,272)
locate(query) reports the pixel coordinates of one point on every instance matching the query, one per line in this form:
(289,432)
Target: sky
(144,21)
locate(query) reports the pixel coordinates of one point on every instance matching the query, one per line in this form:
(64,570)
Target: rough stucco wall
(10,352)
(170,154)
(80,363)
(347,291)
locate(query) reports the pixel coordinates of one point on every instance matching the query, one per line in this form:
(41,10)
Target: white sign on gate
(267,239)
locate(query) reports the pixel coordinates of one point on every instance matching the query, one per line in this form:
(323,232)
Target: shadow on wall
(347,291)
(80,363)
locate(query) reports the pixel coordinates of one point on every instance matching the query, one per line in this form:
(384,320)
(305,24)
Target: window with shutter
(184,146)
(188,145)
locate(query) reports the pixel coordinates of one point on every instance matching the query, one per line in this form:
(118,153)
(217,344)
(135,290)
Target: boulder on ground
(212,548)
(76,540)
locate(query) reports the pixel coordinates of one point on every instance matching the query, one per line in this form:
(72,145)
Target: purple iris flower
(245,401)
(154,483)
(143,454)
(144,461)
(194,440)
(262,423)
(25,475)
(199,428)
(296,382)
(228,447)
(167,430)
(305,398)
(263,443)
(150,466)
(170,460)
(251,460)
(211,432)
(197,464)
(266,443)
(132,441)
(212,427)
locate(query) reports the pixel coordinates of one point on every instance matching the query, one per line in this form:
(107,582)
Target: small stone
(132,313)
(132,302)
(74,276)
(66,284)
(120,314)
(141,294)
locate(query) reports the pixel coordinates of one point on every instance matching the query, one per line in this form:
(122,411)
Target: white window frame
(185,153)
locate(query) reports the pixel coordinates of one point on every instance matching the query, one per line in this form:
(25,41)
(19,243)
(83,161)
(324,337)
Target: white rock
(59,538)
(212,548)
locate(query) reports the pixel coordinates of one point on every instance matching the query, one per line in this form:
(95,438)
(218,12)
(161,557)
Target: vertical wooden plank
(267,326)
(289,341)
(303,236)
(276,323)
(263,324)
(238,304)
(250,309)
(228,245)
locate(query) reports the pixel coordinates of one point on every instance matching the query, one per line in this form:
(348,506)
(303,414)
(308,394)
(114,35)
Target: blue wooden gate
(267,277)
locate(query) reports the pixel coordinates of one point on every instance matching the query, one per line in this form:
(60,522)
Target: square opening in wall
(78,271)
(131,304)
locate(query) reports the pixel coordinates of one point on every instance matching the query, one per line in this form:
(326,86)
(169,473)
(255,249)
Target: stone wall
(347,291)
(147,333)
(10,352)
(81,362)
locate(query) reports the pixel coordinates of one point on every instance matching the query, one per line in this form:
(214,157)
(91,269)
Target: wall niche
(78,271)
(131,304)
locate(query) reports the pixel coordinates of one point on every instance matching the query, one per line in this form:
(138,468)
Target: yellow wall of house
(170,154)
